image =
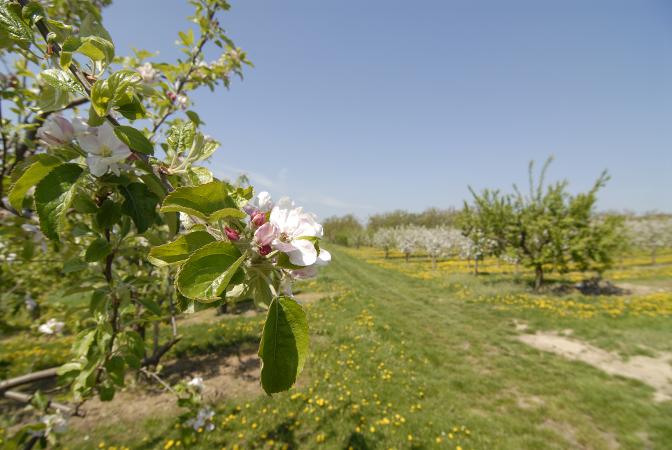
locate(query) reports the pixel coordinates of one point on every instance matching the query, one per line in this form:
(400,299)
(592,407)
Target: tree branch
(28,378)
(25,398)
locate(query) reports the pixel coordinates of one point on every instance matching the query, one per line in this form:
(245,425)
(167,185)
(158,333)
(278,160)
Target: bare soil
(653,371)
(232,376)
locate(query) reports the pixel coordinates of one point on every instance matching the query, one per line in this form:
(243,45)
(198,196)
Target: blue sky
(369,106)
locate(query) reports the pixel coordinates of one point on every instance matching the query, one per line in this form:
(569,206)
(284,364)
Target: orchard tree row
(544,229)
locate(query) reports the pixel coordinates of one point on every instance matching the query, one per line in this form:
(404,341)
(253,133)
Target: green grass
(402,362)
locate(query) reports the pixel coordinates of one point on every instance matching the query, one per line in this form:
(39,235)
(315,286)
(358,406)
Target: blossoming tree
(650,233)
(385,239)
(105,154)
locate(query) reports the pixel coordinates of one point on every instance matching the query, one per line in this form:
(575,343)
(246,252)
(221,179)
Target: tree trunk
(387,253)
(407,255)
(538,277)
(475,266)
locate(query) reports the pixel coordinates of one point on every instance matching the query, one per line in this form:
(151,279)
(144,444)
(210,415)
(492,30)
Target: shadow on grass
(284,434)
(356,441)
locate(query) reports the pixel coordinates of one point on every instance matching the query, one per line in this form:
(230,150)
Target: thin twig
(185,79)
(159,379)
(5,149)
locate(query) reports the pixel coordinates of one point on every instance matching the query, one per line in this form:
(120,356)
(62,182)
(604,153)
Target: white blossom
(55,423)
(323,258)
(203,420)
(182,101)
(147,72)
(196,383)
(262,202)
(106,151)
(51,327)
(56,130)
(292,227)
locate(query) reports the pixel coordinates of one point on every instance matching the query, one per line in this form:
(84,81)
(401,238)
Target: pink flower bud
(232,234)
(265,250)
(265,234)
(259,218)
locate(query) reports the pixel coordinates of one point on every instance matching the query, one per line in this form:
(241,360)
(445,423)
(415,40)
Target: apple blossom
(203,420)
(82,128)
(294,229)
(105,150)
(304,273)
(55,423)
(56,130)
(262,202)
(265,234)
(51,327)
(147,72)
(196,383)
(182,101)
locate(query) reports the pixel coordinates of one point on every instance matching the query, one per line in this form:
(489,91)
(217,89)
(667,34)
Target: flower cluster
(105,152)
(288,229)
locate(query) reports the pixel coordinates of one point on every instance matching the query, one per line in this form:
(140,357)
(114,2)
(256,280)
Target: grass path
(400,362)
(510,395)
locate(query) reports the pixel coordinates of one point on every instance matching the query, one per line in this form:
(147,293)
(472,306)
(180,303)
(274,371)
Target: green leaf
(150,305)
(134,139)
(139,204)
(201,201)
(181,136)
(61,80)
(53,196)
(97,250)
(83,203)
(284,345)
(13,30)
(187,38)
(97,48)
(57,88)
(33,11)
(91,26)
(194,117)
(227,213)
(30,177)
(180,249)
(108,214)
(115,369)
(118,90)
(74,265)
(106,392)
(260,288)
(207,272)
(132,110)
